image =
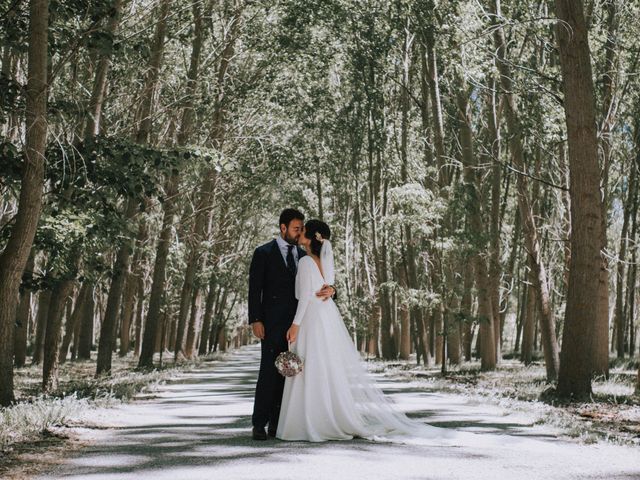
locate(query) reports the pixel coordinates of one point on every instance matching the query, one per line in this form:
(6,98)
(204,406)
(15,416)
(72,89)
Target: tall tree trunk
(219,321)
(154,313)
(318,170)
(22,320)
(444,171)
(417,316)
(222,339)
(94,114)
(132,285)
(494,239)
(109,324)
(529,324)
(9,68)
(128,303)
(620,318)
(169,204)
(408,253)
(386,325)
(85,339)
(110,321)
(139,315)
(194,327)
(374,330)
(185,132)
(405,333)
(532,243)
(74,320)
(454,345)
(485,310)
(581,314)
(23,315)
(465,310)
(608,119)
(50,358)
(44,299)
(629,309)
(76,340)
(206,193)
(16,253)
(210,302)
(82,343)
(437,327)
(509,277)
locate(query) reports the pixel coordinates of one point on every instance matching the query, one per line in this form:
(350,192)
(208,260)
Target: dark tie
(291,264)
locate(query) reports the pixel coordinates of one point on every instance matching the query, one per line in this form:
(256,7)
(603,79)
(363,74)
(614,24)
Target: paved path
(198,427)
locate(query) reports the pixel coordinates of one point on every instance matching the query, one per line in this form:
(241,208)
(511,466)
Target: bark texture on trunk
(581,314)
(478,235)
(206,194)
(23,316)
(169,205)
(16,253)
(532,242)
(121,267)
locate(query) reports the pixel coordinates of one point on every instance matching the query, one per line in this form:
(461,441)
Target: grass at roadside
(612,414)
(36,416)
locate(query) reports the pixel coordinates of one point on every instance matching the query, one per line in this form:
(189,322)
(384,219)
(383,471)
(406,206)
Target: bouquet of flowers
(289,364)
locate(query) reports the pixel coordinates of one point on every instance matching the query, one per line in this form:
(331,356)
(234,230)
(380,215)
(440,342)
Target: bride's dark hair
(311,228)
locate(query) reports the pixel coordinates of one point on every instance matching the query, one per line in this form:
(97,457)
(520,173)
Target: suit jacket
(272,297)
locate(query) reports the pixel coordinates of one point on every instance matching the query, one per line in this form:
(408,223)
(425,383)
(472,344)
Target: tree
(477,234)
(532,242)
(584,272)
(14,256)
(23,314)
(201,225)
(121,265)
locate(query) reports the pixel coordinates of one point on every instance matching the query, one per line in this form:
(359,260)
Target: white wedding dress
(334,398)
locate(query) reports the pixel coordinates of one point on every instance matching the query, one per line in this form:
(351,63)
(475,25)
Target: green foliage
(10,163)
(10,96)
(312,117)
(123,167)
(415,206)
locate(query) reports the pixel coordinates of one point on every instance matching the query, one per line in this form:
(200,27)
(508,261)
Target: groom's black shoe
(259,433)
(271,432)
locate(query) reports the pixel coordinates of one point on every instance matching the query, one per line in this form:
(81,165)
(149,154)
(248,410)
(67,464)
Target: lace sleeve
(304,290)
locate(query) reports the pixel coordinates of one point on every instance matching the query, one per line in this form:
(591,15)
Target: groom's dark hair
(289,214)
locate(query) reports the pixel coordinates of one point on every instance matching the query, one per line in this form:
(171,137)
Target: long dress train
(334,397)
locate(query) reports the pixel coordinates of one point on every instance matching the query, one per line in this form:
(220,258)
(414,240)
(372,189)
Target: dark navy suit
(272,301)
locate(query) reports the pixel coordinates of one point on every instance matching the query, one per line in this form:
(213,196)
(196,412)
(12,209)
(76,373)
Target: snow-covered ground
(198,426)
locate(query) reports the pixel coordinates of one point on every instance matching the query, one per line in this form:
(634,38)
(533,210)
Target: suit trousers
(268,396)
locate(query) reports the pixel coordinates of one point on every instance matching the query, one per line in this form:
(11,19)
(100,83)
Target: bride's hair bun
(314,229)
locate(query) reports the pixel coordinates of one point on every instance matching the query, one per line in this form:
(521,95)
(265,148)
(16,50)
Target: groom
(272,307)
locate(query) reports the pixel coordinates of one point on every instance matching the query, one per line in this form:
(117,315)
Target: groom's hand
(258,329)
(326,292)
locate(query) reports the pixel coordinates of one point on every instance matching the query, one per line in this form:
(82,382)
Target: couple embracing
(291,307)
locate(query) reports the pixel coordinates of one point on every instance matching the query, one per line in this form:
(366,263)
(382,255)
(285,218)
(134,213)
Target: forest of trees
(477,161)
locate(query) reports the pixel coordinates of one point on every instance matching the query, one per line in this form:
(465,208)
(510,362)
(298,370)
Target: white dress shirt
(284,249)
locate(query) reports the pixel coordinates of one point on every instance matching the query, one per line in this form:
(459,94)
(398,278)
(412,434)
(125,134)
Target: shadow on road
(200,423)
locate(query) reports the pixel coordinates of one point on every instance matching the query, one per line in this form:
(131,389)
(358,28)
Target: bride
(333,398)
